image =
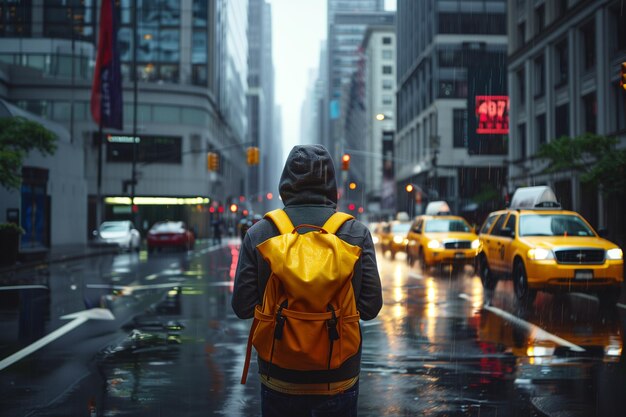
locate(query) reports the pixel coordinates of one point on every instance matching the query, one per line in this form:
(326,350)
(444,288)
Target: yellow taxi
(441,239)
(393,237)
(544,248)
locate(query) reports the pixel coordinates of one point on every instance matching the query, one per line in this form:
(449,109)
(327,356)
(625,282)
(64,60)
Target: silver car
(121,233)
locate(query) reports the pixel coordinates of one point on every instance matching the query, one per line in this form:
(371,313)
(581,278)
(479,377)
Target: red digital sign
(492,115)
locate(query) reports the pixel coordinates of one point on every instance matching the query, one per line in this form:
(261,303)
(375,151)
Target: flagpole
(99,180)
(134,165)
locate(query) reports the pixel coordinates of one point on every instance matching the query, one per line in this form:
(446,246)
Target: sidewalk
(57,253)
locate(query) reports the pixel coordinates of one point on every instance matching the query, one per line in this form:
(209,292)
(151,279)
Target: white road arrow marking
(537,332)
(78,319)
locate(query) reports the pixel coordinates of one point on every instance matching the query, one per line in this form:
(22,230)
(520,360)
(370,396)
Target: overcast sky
(298,27)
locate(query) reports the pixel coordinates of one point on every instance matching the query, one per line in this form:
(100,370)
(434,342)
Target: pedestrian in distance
(307,274)
(217,231)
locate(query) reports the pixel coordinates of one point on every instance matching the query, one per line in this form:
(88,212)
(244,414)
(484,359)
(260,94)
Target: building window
(590,106)
(387,54)
(540,19)
(589,46)
(387,69)
(561,68)
(561,7)
(561,121)
(521,34)
(158,40)
(387,100)
(459,123)
(154,149)
(540,76)
(472,23)
(67,19)
(542,135)
(387,84)
(521,140)
(521,87)
(617,28)
(386,40)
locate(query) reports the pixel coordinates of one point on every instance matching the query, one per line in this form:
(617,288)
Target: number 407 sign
(492,115)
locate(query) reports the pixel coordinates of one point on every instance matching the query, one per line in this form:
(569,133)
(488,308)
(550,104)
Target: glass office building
(191,82)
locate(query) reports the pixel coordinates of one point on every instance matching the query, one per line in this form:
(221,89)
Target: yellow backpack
(308,319)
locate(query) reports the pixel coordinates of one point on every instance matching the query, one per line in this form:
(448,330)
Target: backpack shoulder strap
(281,220)
(335,221)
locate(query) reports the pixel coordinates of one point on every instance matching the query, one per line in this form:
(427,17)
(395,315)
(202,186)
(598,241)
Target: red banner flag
(106,90)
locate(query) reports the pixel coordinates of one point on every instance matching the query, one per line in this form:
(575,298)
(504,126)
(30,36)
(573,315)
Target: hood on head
(309,177)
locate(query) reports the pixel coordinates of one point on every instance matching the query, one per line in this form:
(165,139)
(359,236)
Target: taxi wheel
(486,276)
(422,261)
(520,283)
(409,258)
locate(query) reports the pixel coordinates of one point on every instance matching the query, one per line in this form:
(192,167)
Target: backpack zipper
(278,332)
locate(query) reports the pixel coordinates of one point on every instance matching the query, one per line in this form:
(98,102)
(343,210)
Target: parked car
(170,234)
(545,248)
(122,234)
(440,240)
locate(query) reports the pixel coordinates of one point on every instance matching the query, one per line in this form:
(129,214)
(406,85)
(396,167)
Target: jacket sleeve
(246,289)
(370,297)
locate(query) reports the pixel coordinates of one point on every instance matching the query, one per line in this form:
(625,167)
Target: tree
(18,136)
(596,157)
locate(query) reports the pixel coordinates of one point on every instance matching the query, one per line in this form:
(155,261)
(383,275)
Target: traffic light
(252,155)
(345,162)
(622,76)
(213,161)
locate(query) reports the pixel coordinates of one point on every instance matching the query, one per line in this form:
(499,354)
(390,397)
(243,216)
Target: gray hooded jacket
(309,191)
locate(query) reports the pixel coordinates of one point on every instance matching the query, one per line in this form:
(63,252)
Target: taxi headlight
(540,254)
(434,244)
(475,244)
(615,254)
(612,350)
(398,239)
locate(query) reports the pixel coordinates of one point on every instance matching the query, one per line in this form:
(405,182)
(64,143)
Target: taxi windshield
(553,225)
(400,228)
(446,225)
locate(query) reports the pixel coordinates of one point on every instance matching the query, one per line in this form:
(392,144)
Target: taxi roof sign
(534,197)
(435,208)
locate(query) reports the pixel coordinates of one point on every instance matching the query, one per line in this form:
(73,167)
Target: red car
(170,234)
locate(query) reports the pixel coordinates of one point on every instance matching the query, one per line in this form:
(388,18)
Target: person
(217,231)
(308,190)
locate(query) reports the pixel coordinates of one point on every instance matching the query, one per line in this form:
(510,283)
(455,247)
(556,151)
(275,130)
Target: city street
(175,347)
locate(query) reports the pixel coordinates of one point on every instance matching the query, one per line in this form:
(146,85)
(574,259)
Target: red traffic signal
(345,162)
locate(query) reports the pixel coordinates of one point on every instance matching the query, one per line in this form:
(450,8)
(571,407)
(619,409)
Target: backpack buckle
(280,321)
(331,324)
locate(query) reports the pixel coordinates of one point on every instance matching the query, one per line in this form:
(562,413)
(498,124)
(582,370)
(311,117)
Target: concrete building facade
(379,46)
(191,70)
(564,63)
(450,55)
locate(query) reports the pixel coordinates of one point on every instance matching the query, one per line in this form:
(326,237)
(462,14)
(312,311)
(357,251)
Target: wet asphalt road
(176,349)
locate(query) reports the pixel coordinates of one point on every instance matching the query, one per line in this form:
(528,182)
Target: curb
(4,271)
